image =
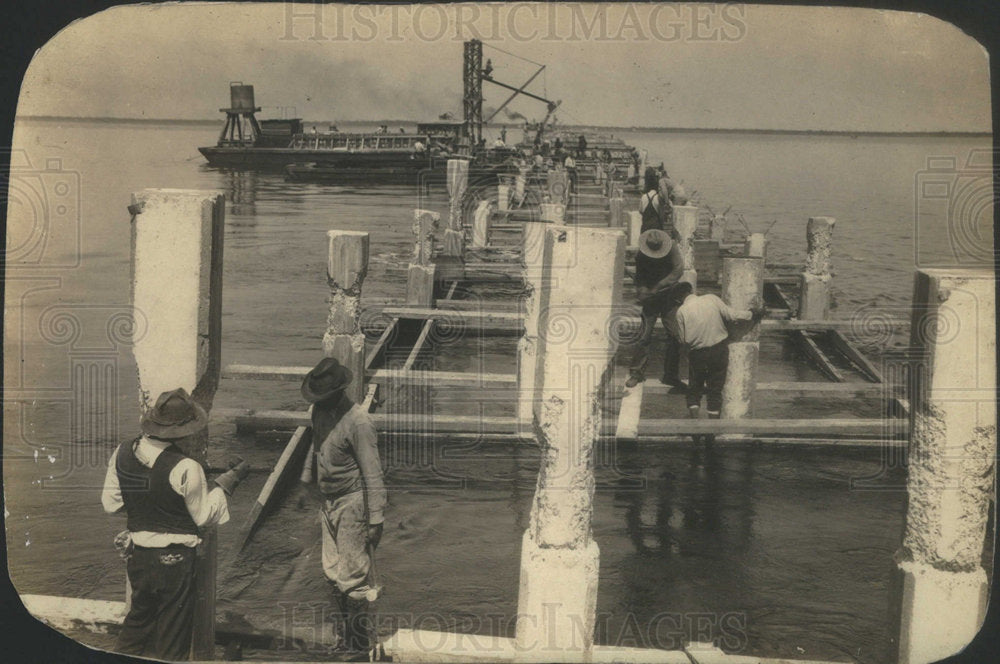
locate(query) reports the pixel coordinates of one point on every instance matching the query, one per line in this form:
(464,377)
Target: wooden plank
(262,419)
(97,616)
(628,413)
(295,447)
(460,379)
(377,351)
(848,350)
(499,319)
(797,388)
(809,427)
(813,352)
(778,293)
(425,331)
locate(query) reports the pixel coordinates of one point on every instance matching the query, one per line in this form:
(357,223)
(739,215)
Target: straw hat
(655,243)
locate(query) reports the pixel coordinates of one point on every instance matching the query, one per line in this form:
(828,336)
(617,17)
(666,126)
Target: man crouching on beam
(349,475)
(702,328)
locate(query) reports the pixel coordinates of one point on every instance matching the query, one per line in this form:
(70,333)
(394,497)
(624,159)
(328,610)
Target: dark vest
(150,502)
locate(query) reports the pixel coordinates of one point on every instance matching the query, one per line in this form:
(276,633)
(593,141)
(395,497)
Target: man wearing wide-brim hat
(349,476)
(658,267)
(167,500)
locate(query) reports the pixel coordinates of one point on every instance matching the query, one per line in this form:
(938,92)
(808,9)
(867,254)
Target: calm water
(773,551)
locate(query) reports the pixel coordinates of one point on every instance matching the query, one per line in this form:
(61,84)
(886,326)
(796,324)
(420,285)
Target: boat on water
(283,145)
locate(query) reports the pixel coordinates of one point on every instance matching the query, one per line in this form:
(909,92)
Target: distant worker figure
(503,135)
(702,328)
(418,149)
(658,266)
(570,165)
(653,206)
(402,131)
(581,146)
(499,143)
(167,499)
(349,476)
(558,144)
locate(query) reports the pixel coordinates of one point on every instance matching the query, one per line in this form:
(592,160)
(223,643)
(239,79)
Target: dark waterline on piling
(776,549)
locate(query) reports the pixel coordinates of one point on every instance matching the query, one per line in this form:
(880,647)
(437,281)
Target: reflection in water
(241,192)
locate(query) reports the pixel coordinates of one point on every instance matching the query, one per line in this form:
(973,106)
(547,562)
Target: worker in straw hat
(349,476)
(167,499)
(658,266)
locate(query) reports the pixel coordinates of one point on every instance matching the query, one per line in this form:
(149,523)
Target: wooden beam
(773,427)
(778,293)
(295,448)
(97,616)
(628,413)
(377,351)
(464,379)
(250,419)
(816,355)
(848,350)
(797,388)
(498,319)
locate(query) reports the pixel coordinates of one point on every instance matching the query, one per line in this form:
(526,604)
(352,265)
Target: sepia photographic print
(501,332)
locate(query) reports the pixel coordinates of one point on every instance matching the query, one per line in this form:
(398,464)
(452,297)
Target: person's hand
(305,495)
(758,313)
(374,534)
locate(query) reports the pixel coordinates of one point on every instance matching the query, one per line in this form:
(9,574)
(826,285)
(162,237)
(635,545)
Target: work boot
(359,628)
(633,380)
(693,413)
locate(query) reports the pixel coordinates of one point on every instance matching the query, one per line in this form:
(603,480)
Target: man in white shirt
(702,326)
(167,498)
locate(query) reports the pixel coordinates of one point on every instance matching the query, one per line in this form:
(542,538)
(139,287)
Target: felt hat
(325,380)
(655,243)
(174,415)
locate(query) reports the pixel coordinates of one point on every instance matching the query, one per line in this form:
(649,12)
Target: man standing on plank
(702,327)
(167,499)
(349,475)
(658,266)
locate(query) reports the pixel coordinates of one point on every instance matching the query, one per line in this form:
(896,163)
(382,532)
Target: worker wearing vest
(167,499)
(349,476)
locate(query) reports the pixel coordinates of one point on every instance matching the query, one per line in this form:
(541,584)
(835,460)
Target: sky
(708,66)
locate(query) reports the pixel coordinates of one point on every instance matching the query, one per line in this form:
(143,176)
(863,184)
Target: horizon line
(750,130)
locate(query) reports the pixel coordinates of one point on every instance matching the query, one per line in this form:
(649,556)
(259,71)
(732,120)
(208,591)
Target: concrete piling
(755,246)
(533,244)
(347,266)
(553,213)
(616,217)
(634,228)
(458,182)
(559,559)
(176,262)
(717,228)
(481,225)
(503,196)
(742,288)
(557,185)
(686,223)
(941,589)
(421,273)
(814,301)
